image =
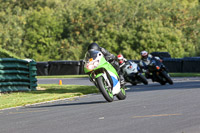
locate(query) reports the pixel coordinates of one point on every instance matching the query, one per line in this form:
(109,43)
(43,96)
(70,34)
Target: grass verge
(44,93)
(63,76)
(185,74)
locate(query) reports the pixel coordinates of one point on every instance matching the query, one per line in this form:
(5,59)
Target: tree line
(46,30)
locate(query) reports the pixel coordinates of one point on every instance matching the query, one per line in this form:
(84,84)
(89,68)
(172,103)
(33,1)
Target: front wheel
(143,79)
(167,77)
(162,82)
(104,89)
(122,94)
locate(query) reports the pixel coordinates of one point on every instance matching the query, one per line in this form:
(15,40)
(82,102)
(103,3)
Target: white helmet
(144,55)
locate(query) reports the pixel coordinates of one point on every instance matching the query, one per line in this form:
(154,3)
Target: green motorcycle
(103,75)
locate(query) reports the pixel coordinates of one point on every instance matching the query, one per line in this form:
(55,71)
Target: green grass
(44,93)
(185,74)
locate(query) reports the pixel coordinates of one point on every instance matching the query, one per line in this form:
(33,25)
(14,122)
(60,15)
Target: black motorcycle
(158,72)
(132,74)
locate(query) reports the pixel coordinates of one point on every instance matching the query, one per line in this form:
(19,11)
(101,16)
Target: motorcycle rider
(122,61)
(145,61)
(110,58)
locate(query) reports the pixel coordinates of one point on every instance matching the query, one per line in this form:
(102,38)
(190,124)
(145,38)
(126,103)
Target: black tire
(105,92)
(122,94)
(134,84)
(162,82)
(143,79)
(167,77)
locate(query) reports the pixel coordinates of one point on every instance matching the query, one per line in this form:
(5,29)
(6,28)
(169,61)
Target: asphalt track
(152,108)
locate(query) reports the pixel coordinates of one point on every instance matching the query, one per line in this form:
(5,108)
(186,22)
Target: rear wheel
(104,89)
(122,94)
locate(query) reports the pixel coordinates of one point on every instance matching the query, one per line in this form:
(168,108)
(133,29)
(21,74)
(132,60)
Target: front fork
(92,79)
(94,76)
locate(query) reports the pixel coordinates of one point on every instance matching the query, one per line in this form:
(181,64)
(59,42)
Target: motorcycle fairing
(116,83)
(101,68)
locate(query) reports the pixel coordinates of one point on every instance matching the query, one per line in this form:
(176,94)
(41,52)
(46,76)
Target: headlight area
(92,64)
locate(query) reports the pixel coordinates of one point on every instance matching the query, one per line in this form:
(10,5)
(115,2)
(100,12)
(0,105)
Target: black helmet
(93,46)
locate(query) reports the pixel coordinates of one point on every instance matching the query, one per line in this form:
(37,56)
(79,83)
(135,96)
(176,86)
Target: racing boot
(122,80)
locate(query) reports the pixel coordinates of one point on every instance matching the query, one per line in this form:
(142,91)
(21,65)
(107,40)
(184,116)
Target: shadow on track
(156,86)
(67,104)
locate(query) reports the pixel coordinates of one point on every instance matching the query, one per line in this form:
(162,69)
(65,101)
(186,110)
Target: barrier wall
(64,68)
(162,55)
(81,70)
(42,68)
(191,65)
(174,65)
(17,75)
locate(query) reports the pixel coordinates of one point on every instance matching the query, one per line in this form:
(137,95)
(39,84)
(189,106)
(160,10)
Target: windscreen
(91,54)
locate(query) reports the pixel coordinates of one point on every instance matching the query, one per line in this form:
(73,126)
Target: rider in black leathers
(145,61)
(110,58)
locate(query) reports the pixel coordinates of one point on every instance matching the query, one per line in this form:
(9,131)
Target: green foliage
(62,29)
(43,33)
(12,30)
(7,54)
